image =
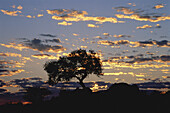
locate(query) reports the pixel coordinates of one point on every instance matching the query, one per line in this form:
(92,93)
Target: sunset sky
(130,36)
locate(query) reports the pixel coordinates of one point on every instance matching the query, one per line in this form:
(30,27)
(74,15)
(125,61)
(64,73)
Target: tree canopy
(78,64)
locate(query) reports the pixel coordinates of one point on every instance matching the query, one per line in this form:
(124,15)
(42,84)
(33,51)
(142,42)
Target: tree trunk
(82,84)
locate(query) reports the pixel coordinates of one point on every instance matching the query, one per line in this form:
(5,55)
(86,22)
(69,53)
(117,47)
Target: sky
(131,37)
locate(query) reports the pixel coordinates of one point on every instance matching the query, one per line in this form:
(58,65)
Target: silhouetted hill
(119,98)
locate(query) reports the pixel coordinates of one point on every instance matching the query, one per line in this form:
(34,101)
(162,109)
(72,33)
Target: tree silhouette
(78,64)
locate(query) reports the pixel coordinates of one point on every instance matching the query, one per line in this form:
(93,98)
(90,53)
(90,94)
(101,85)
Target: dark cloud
(122,36)
(140,58)
(3,70)
(2,90)
(2,83)
(165,58)
(36,44)
(48,35)
(127,10)
(162,43)
(53,40)
(154,84)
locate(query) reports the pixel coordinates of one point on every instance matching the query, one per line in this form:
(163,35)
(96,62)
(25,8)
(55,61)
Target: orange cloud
(144,27)
(43,56)
(40,15)
(20,7)
(92,25)
(85,47)
(11,73)
(10,13)
(74,34)
(120,73)
(112,43)
(125,10)
(15,46)
(74,15)
(83,18)
(122,36)
(106,34)
(158,6)
(11,54)
(64,23)
(29,16)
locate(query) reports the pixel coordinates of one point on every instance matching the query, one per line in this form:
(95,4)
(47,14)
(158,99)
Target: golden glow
(96,87)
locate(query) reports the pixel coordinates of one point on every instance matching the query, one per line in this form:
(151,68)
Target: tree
(78,64)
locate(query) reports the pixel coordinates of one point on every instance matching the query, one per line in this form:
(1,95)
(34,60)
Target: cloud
(125,10)
(159,6)
(144,27)
(10,13)
(112,43)
(74,34)
(64,23)
(20,7)
(98,37)
(133,4)
(138,17)
(11,73)
(40,15)
(2,83)
(106,34)
(48,35)
(122,36)
(29,16)
(53,40)
(10,54)
(148,26)
(75,15)
(36,45)
(43,56)
(165,58)
(92,25)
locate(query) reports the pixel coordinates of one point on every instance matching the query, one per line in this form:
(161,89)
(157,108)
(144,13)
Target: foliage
(78,64)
